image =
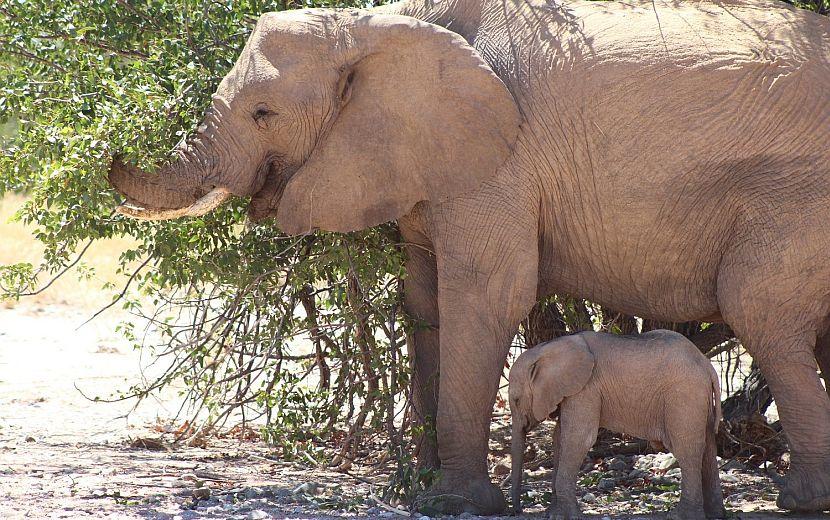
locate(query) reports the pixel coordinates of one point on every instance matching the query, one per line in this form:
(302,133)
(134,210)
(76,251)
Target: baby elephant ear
(422,117)
(563,368)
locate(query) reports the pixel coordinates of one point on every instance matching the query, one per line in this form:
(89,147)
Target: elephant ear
(563,368)
(422,117)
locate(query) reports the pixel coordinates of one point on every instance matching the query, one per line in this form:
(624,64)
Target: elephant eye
(260,113)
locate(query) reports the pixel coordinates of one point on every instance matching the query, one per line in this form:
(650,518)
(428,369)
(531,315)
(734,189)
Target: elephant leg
(712,492)
(475,340)
(804,409)
(421,302)
(776,300)
(689,450)
(823,358)
(555,456)
(579,425)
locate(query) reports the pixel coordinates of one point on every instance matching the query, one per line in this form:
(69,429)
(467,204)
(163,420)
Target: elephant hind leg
(776,313)
(712,493)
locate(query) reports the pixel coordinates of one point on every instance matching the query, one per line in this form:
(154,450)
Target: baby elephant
(656,386)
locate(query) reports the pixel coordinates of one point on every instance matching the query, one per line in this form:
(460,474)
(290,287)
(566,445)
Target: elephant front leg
(421,301)
(476,333)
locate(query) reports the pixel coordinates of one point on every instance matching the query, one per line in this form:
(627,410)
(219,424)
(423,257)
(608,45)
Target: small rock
(590,498)
(465,514)
(618,464)
(252,492)
(637,473)
(309,488)
(663,481)
(189,515)
(735,498)
(280,492)
(644,462)
(386,514)
(728,477)
(667,461)
(733,464)
(501,469)
(673,473)
(606,484)
(373,511)
(424,517)
(258,514)
(201,493)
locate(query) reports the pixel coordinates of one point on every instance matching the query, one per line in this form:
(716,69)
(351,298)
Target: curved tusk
(204,205)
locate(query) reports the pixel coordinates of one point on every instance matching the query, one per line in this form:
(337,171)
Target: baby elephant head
(539,380)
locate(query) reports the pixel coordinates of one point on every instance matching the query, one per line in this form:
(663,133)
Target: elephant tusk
(204,205)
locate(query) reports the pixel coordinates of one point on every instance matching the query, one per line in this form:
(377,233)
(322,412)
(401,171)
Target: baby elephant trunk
(517,458)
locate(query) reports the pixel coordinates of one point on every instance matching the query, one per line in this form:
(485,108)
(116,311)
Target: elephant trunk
(172,188)
(187,187)
(517,454)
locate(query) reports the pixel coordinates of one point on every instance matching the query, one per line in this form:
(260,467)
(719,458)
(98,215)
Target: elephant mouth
(275,175)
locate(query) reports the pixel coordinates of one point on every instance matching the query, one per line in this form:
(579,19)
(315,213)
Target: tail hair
(715,384)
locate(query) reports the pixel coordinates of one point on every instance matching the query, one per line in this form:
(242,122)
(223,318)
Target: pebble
(589,498)
(501,469)
(465,514)
(728,477)
(309,488)
(201,493)
(258,514)
(618,464)
(737,497)
(252,492)
(673,473)
(606,484)
(665,461)
(424,517)
(188,515)
(373,511)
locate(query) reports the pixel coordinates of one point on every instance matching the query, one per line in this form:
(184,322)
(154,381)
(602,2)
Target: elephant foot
(681,512)
(454,495)
(807,488)
(716,513)
(563,509)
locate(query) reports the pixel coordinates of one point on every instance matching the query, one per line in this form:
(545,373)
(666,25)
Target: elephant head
(539,380)
(338,120)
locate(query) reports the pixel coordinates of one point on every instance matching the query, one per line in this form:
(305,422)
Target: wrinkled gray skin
(668,161)
(655,386)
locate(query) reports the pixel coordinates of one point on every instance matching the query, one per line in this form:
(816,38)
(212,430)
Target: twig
(386,507)
(120,295)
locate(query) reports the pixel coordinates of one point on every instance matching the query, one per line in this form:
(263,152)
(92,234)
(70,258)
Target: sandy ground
(63,456)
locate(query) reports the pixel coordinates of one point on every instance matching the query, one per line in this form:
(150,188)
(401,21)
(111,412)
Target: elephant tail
(715,385)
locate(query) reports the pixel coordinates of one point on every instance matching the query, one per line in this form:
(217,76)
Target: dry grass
(18,245)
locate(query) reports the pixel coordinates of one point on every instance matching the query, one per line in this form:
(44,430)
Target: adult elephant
(668,161)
